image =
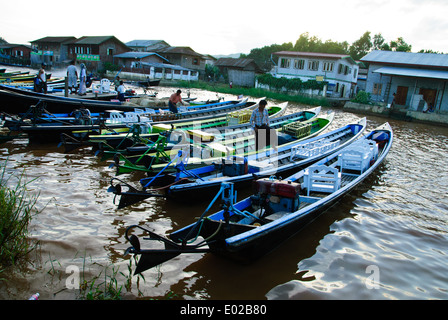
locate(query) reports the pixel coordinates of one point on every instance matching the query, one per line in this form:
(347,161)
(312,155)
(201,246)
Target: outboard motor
(276,195)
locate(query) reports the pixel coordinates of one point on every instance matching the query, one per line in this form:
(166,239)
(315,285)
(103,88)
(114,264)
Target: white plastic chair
(105,85)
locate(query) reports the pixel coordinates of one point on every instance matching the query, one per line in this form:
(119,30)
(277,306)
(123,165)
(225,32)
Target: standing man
(259,121)
(72,76)
(174,99)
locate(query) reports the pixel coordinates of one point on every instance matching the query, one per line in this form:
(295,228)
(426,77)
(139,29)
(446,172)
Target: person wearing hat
(82,80)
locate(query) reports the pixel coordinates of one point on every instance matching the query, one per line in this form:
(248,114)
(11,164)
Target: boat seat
(116,117)
(311,149)
(358,156)
(104,86)
(276,215)
(322,179)
(150,111)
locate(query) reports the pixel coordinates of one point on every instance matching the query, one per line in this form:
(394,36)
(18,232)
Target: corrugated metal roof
(239,63)
(55,39)
(137,55)
(407,58)
(142,43)
(93,39)
(412,72)
(181,50)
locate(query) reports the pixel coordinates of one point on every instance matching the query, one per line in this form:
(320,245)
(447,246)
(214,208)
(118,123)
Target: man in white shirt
(121,91)
(42,79)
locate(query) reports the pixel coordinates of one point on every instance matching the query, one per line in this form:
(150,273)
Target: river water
(386,240)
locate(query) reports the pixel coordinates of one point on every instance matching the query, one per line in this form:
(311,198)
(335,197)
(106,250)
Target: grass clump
(17,207)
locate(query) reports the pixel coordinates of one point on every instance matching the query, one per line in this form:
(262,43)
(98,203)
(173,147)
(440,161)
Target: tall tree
(361,47)
(400,45)
(378,42)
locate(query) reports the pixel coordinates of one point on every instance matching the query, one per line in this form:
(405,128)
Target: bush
(362,97)
(16,212)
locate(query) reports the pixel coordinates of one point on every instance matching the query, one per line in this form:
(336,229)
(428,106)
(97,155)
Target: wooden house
(54,51)
(147,45)
(18,54)
(94,51)
(340,71)
(240,72)
(416,79)
(185,57)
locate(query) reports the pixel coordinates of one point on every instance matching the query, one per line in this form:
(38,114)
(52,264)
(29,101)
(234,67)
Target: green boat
(290,129)
(111,142)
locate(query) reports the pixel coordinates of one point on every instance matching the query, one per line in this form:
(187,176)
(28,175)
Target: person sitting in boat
(121,90)
(117,83)
(40,83)
(174,100)
(260,120)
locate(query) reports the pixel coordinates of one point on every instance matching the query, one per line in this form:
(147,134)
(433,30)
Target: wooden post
(66,87)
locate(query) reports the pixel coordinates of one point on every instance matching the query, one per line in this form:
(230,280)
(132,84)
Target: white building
(415,79)
(339,70)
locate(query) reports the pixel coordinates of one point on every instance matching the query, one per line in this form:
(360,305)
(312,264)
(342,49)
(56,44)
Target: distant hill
(233,55)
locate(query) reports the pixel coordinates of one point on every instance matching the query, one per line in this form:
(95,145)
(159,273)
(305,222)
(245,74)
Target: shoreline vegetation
(253,92)
(17,208)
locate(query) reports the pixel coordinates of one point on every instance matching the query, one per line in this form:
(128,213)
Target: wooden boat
(108,139)
(201,183)
(232,119)
(21,78)
(15,101)
(200,147)
(149,83)
(13,73)
(254,226)
(19,101)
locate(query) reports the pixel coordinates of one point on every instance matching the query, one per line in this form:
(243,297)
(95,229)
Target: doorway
(401,96)
(429,95)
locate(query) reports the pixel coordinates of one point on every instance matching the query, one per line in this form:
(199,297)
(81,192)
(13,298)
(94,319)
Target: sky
(231,26)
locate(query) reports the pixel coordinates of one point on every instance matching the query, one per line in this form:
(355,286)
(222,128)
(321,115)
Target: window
(299,64)
(284,63)
(328,66)
(377,87)
(110,51)
(313,65)
(196,61)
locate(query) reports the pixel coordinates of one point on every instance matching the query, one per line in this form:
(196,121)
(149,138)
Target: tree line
(307,43)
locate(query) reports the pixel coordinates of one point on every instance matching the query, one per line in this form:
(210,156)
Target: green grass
(17,207)
(253,92)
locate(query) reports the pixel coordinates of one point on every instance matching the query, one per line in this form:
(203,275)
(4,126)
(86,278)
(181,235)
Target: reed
(17,207)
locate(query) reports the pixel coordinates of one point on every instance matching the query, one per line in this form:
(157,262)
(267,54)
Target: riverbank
(398,113)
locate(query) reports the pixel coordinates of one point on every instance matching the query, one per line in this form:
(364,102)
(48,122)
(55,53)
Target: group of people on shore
(40,82)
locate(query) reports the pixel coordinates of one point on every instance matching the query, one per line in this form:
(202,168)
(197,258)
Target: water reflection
(395,220)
